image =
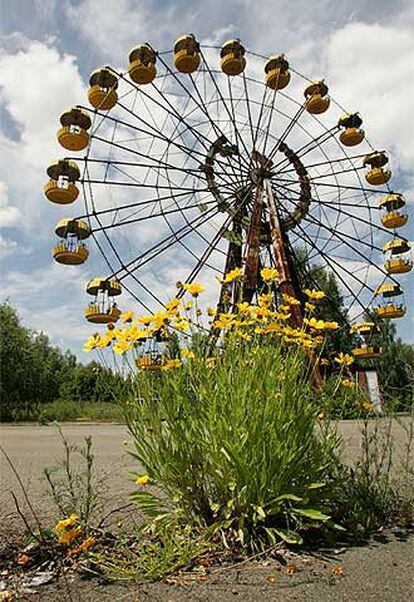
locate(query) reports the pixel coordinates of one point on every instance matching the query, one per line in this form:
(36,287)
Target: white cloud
(9,216)
(36,85)
(370,70)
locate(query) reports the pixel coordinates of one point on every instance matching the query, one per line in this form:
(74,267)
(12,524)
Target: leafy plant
(74,490)
(235,446)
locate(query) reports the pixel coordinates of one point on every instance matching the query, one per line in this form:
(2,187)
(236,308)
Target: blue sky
(49,47)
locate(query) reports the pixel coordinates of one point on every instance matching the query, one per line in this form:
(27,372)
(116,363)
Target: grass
(71,411)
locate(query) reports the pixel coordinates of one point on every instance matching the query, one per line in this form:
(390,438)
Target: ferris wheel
(198,160)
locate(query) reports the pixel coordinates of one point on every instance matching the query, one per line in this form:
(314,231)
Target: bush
(235,447)
(64,410)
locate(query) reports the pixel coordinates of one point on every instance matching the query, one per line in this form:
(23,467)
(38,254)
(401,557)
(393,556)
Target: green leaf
(289,536)
(311,513)
(288,496)
(315,485)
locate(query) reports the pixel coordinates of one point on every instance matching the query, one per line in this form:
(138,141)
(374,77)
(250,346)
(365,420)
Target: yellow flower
(173,304)
(242,335)
(344,359)
(284,307)
(309,306)
(188,305)
(290,300)
(143,480)
(265,300)
(187,353)
(314,295)
(320,324)
(66,522)
(181,324)
(272,327)
(92,342)
(170,364)
(349,384)
(145,320)
(231,276)
(194,289)
(66,537)
(127,316)
(211,311)
(84,546)
(106,340)
(269,274)
(243,307)
(367,405)
(324,361)
(225,321)
(121,346)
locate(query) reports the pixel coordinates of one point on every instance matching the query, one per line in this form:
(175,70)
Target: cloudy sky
(48,48)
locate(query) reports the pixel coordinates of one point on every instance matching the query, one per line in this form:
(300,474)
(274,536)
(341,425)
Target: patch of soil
(380,571)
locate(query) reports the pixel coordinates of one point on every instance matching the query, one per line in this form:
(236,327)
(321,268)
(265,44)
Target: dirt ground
(383,570)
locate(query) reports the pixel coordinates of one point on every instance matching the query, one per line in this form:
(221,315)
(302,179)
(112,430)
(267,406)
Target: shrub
(235,445)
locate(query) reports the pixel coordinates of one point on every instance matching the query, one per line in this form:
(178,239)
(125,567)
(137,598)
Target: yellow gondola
(142,69)
(398,265)
(150,362)
(391,289)
(390,310)
(277,72)
(186,54)
(73,134)
(317,99)
(96,314)
(102,93)
(71,250)
(351,134)
(103,310)
(61,188)
(364,328)
(393,218)
(377,175)
(232,57)
(368,352)
(396,246)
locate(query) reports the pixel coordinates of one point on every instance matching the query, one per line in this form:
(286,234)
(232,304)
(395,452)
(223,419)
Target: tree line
(34,372)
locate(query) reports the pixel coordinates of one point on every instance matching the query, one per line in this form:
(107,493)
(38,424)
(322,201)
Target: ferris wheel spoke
(152,215)
(287,131)
(334,234)
(166,242)
(308,276)
(315,142)
(349,158)
(175,114)
(202,262)
(331,262)
(346,187)
(154,134)
(213,79)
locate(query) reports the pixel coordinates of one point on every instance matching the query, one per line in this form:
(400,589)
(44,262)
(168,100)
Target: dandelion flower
(269,274)
(236,274)
(344,359)
(187,353)
(66,522)
(290,300)
(194,289)
(142,480)
(314,295)
(127,316)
